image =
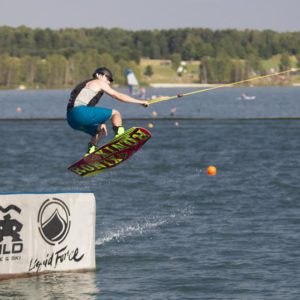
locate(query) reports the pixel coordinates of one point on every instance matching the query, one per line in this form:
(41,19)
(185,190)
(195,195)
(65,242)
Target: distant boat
(133,84)
(246,97)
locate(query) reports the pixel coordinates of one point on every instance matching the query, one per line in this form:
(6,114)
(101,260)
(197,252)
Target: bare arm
(122,97)
(98,85)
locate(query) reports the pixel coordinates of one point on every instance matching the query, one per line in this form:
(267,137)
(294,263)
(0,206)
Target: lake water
(271,102)
(165,229)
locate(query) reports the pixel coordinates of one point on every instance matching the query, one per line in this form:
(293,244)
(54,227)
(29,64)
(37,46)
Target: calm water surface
(166,230)
(270,102)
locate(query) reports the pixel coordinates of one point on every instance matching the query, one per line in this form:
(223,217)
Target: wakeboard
(111,154)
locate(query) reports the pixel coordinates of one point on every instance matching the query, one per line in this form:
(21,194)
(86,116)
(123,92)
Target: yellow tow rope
(220,86)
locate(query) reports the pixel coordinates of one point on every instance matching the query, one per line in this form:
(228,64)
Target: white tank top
(84,97)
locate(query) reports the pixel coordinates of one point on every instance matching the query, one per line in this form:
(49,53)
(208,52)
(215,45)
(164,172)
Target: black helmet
(104,71)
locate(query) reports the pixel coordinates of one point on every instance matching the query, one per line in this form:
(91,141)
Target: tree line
(58,58)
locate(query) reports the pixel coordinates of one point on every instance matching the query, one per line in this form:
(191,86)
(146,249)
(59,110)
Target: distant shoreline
(160,85)
(182,85)
(208,85)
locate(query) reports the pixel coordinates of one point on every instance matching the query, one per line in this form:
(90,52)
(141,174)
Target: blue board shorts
(88,118)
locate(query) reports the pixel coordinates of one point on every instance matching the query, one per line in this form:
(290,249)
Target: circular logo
(54,221)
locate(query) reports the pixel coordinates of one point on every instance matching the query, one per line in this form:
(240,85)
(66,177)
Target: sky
(277,15)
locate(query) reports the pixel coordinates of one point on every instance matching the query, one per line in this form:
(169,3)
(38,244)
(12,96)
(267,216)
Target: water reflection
(51,286)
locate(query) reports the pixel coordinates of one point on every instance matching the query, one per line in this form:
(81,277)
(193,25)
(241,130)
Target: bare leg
(96,138)
(116,121)
(101,132)
(116,118)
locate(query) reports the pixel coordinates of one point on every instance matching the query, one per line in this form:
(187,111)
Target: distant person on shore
(82,113)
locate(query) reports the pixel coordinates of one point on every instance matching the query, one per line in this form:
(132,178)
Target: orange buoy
(212,171)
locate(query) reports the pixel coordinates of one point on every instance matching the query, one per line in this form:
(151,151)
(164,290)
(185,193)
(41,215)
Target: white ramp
(46,232)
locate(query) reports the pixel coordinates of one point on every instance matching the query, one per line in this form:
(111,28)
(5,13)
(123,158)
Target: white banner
(46,232)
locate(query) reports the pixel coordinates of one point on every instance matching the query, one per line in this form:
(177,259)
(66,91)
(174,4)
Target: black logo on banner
(54,221)
(10,227)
